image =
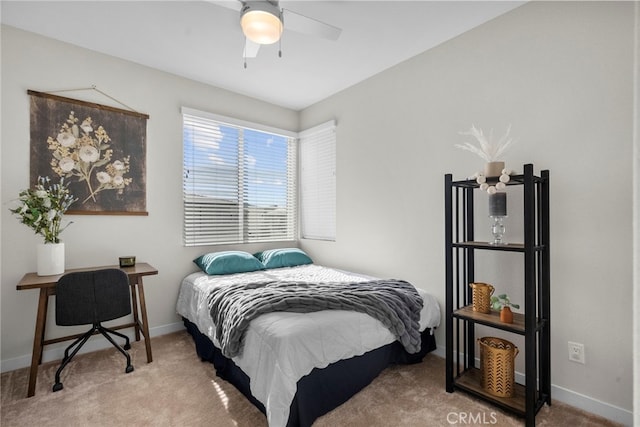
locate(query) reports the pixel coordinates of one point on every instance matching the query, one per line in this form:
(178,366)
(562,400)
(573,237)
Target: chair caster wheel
(129,369)
(127,347)
(57,387)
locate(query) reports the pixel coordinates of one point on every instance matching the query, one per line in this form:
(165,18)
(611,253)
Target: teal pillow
(228,262)
(288,257)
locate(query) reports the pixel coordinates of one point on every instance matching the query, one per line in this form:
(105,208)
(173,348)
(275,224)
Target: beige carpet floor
(177,389)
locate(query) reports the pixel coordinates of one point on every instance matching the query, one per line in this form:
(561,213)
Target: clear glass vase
(497,230)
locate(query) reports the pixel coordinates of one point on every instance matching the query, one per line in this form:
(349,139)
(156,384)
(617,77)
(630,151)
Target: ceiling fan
(263,21)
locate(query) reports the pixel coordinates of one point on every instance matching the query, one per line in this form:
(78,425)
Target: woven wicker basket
(481,297)
(497,357)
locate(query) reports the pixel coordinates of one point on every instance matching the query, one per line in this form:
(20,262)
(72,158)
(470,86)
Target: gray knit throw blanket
(395,303)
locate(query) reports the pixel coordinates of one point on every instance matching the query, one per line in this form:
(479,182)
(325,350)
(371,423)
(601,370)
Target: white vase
(50,258)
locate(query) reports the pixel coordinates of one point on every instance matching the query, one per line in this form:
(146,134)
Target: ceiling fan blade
(251,49)
(229,4)
(302,24)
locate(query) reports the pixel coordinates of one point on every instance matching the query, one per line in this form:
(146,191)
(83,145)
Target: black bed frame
(322,390)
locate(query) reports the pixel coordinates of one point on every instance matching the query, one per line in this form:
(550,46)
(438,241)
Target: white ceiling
(203,41)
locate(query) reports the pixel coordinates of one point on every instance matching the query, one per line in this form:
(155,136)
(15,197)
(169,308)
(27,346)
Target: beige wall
(562,75)
(33,62)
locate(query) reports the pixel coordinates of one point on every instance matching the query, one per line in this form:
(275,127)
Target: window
(318,182)
(239,182)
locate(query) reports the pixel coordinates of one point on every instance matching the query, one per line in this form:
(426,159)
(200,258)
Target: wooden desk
(47,286)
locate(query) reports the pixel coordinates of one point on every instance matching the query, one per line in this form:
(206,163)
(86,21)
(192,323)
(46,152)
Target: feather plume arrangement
(486,149)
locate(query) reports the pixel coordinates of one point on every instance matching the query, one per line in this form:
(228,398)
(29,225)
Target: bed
(295,367)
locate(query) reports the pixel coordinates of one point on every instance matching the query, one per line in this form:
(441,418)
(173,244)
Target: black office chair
(92,297)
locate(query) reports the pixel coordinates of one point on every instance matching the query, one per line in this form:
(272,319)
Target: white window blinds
(318,182)
(239,182)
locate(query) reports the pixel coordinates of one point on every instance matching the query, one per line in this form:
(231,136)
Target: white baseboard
(575,399)
(97,342)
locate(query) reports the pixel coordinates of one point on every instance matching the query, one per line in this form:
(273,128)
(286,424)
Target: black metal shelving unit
(534,324)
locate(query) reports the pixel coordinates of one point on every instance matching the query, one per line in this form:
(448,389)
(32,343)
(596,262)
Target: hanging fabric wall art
(99,150)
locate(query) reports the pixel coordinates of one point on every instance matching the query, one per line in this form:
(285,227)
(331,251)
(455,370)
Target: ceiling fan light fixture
(261,22)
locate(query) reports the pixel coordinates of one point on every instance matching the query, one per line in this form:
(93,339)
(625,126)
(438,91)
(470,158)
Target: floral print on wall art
(99,150)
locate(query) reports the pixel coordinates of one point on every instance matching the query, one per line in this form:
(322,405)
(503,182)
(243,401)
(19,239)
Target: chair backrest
(90,297)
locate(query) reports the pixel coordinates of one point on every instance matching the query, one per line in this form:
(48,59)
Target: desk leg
(135,281)
(145,321)
(38,339)
(44,322)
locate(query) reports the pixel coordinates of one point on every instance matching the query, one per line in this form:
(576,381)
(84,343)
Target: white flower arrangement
(42,207)
(490,152)
(486,148)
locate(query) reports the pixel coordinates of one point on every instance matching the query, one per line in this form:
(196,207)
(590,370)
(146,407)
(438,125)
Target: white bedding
(280,348)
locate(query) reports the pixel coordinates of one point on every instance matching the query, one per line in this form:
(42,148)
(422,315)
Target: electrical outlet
(576,352)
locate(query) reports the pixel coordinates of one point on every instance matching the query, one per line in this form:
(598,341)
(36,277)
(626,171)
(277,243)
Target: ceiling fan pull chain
(244,53)
(280,39)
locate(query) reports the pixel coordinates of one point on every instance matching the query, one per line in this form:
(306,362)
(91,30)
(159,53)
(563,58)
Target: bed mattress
(280,348)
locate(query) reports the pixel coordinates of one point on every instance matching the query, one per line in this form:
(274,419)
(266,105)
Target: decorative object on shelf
(502,303)
(497,366)
(497,230)
(497,212)
(481,297)
(127,261)
(492,169)
(481,178)
(498,208)
(498,204)
(487,150)
(42,208)
(100,150)
(506,315)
